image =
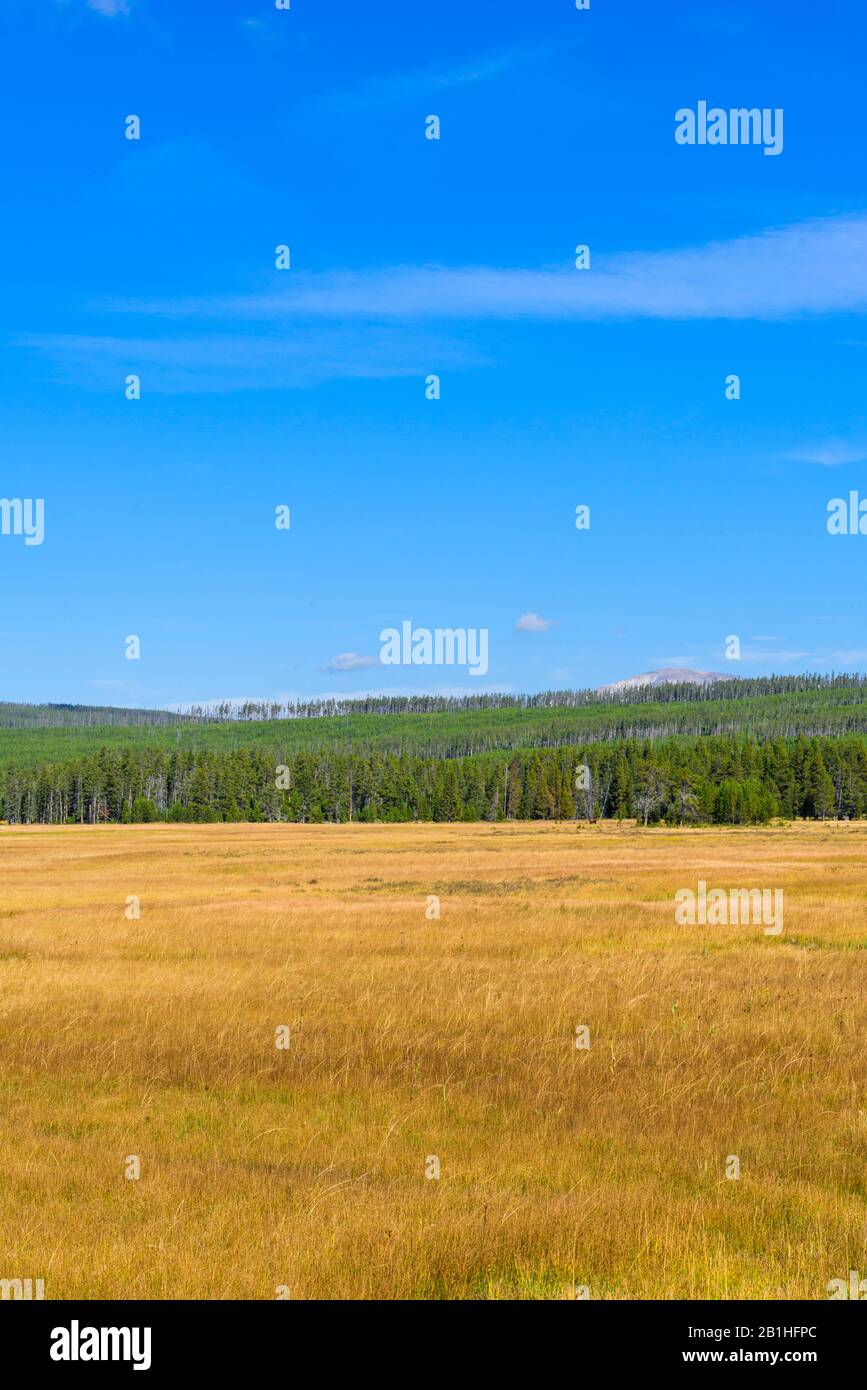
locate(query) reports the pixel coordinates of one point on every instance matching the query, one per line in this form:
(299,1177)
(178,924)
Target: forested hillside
(17,716)
(738,752)
(455,728)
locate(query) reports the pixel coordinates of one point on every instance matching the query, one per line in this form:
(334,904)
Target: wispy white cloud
(828,455)
(390,88)
(386,322)
(748,657)
(783,657)
(846,658)
(258,29)
(108,7)
(814,267)
(352,661)
(239,362)
(531,622)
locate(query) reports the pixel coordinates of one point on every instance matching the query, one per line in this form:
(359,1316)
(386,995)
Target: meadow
(302,1170)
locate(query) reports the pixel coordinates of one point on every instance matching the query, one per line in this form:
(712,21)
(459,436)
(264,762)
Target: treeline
(681,781)
(673,692)
(21,716)
(69,716)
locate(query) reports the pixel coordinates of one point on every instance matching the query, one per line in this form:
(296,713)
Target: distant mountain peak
(668,675)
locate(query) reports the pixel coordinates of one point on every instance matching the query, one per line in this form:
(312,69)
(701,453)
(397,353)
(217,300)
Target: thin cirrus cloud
(386,89)
(379,323)
(829,455)
(782,656)
(749,656)
(854,656)
(258,29)
(242,362)
(531,622)
(812,267)
(109,7)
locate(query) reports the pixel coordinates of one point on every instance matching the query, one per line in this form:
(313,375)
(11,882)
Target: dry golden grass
(413,1037)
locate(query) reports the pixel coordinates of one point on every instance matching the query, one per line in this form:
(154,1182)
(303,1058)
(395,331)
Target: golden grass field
(305,1167)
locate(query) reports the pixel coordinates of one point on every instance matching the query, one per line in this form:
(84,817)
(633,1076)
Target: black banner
(159,1338)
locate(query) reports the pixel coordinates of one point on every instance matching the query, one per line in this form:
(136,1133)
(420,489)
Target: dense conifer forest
(738,752)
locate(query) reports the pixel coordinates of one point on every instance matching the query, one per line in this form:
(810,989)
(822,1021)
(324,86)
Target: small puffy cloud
(351,661)
(828,455)
(108,7)
(531,622)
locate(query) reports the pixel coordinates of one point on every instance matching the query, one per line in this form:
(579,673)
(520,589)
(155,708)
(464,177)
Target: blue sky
(410,256)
